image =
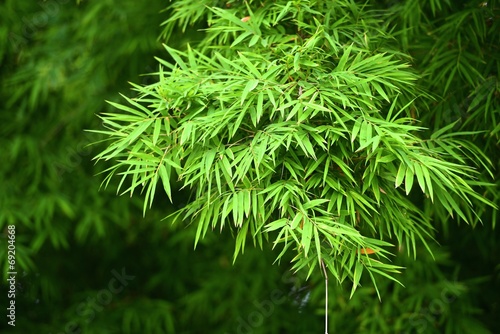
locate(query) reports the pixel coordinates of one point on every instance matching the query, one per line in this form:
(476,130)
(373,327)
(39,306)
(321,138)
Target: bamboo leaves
(248,88)
(308,140)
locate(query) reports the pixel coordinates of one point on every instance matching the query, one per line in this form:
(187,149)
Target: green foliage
(457,52)
(314,110)
(54,77)
(295,122)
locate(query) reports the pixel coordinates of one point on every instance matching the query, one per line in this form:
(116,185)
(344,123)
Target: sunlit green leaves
(308,139)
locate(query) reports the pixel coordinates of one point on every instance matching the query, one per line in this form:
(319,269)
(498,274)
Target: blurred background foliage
(61,59)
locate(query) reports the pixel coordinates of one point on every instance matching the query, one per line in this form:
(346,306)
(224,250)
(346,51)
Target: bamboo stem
(326,296)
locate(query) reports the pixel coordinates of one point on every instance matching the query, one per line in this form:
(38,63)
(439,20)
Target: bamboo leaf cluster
(295,122)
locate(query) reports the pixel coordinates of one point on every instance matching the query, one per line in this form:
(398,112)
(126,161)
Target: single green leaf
(251,84)
(408,180)
(306,235)
(420,176)
(358,271)
(400,175)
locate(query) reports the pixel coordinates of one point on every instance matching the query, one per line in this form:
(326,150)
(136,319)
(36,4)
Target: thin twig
(326,296)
